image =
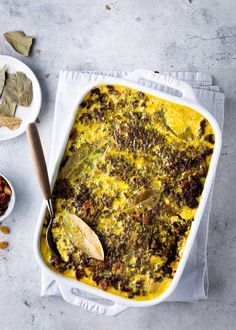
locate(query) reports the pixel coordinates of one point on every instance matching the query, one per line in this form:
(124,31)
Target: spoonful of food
(40,168)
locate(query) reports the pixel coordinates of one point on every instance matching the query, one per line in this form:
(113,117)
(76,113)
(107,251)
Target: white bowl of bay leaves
(21,97)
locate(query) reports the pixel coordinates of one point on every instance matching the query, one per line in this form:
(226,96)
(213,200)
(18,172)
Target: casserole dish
(66,284)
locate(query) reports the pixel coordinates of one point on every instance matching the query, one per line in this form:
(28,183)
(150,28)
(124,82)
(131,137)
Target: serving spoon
(40,168)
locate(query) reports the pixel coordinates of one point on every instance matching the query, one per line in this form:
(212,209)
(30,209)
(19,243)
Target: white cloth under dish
(193,285)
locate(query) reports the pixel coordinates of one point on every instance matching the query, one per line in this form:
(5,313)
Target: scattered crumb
(107,7)
(26,303)
(38,51)
(156,71)
(3,245)
(190,1)
(5,230)
(32,318)
(37,121)
(47,75)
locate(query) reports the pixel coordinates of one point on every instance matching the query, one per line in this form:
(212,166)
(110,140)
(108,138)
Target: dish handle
(88,304)
(183,87)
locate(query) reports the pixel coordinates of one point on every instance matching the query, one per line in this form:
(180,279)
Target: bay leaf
(144,200)
(85,153)
(19,41)
(75,160)
(2,77)
(7,108)
(83,237)
(186,134)
(10,122)
(18,89)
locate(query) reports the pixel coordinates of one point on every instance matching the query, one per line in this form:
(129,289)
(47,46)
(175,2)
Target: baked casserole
(133,170)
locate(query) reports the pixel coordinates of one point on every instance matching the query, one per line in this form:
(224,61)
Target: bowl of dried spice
(7,197)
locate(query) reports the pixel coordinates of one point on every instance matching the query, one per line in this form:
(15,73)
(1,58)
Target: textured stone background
(82,34)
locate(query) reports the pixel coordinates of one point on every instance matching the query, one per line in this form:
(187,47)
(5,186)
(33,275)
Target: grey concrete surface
(82,34)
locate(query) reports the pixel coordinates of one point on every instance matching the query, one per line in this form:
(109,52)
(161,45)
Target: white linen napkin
(193,285)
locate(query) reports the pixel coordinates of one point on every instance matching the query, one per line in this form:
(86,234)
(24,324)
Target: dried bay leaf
(144,200)
(10,122)
(2,77)
(85,153)
(7,109)
(19,41)
(186,134)
(18,89)
(83,237)
(75,160)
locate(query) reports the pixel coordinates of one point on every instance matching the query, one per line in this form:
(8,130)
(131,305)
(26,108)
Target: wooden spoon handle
(39,162)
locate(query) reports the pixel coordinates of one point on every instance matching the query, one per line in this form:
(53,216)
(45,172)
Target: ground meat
(207,152)
(58,263)
(191,189)
(107,200)
(135,103)
(79,273)
(95,91)
(73,134)
(146,218)
(140,181)
(83,104)
(167,270)
(112,90)
(210,138)
(103,98)
(85,118)
(72,148)
(120,167)
(63,189)
(134,138)
(104,283)
(202,127)
(82,196)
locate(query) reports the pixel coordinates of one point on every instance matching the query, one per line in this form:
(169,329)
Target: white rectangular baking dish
(119,304)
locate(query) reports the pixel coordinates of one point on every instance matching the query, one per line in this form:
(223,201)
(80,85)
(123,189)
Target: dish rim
(62,279)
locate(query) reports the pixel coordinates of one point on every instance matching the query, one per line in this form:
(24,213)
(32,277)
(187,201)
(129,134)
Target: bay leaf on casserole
(83,237)
(10,122)
(144,200)
(85,153)
(18,89)
(186,134)
(7,108)
(19,41)
(75,160)
(2,77)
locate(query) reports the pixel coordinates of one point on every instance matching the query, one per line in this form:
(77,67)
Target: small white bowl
(12,201)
